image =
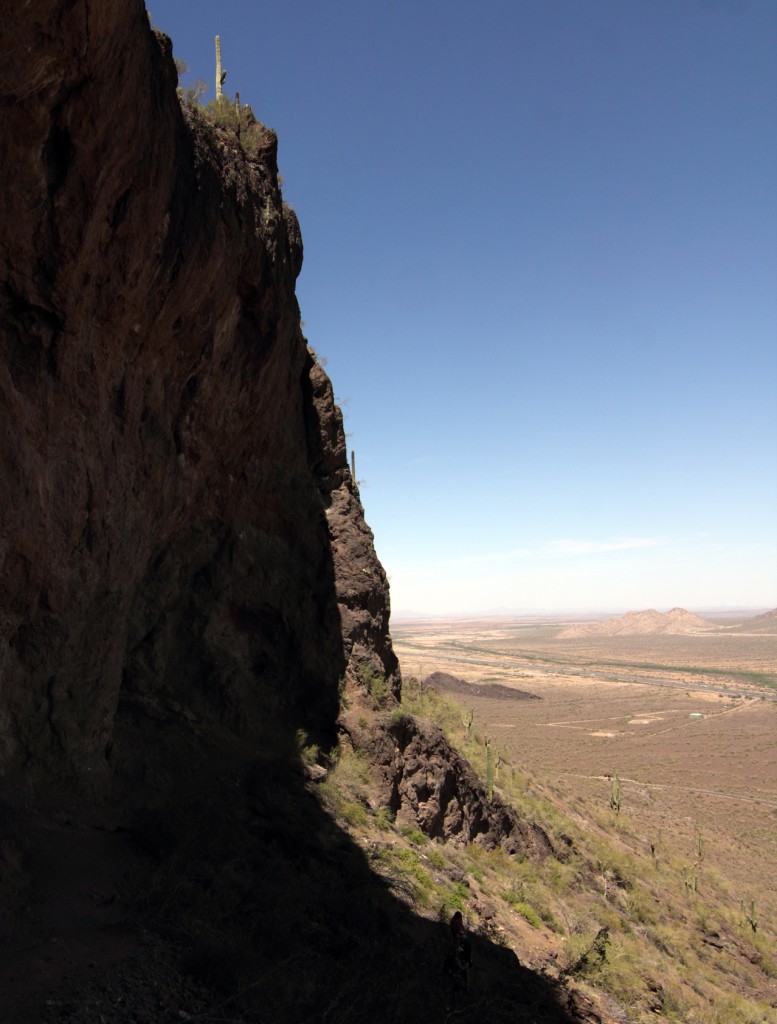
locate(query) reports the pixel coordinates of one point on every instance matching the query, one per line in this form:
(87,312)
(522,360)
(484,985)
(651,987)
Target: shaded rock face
(183,555)
(427,783)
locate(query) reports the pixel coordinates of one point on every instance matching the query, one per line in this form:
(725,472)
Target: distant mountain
(645,623)
(764,624)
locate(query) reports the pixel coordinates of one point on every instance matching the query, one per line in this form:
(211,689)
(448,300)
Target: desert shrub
(576,953)
(424,702)
(223,112)
(436,858)
(384,818)
(478,875)
(354,812)
(308,752)
(376,686)
(404,865)
(497,860)
(343,789)
(642,907)
(622,971)
(453,898)
(413,835)
(527,912)
(190,94)
(491,931)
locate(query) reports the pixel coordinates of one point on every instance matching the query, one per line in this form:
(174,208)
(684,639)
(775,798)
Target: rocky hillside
(677,621)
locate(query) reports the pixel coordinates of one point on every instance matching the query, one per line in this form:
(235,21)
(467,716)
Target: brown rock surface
(426,783)
(177,541)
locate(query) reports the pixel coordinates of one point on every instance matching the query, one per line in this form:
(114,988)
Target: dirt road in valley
(523,667)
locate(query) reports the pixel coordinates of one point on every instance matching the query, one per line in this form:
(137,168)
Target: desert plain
(686,720)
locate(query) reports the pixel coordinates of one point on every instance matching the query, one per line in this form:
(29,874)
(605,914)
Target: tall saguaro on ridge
(220,75)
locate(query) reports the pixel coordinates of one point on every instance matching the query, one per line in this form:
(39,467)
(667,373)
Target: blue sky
(541,263)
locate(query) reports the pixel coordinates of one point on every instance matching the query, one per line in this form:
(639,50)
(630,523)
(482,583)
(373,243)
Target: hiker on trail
(461,961)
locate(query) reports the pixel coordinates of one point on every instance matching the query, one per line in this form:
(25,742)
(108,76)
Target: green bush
(375,685)
(436,858)
(528,913)
(308,752)
(413,835)
(384,818)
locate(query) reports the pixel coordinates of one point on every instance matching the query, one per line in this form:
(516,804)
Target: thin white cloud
(568,547)
(555,549)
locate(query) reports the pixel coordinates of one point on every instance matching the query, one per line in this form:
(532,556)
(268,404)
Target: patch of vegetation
(375,685)
(413,835)
(758,678)
(309,752)
(343,791)
(224,111)
(384,818)
(527,912)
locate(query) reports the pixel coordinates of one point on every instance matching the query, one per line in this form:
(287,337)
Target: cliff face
(183,552)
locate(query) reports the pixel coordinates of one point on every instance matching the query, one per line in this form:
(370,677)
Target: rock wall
(182,550)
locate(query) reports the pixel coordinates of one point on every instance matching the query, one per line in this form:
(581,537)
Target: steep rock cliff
(180,540)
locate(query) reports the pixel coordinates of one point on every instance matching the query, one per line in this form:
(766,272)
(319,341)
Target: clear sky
(541,263)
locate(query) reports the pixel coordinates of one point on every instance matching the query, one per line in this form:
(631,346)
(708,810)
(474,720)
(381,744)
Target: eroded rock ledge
(427,783)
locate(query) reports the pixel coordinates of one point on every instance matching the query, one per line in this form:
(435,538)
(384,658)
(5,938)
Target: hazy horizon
(716,611)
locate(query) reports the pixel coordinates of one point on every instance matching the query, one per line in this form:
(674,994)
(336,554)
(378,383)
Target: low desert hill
(444,682)
(678,621)
(763,624)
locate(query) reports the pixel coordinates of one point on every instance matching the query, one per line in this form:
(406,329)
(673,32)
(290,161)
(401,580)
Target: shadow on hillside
(248,904)
(279,915)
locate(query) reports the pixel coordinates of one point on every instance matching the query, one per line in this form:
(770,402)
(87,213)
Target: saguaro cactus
(615,794)
(220,75)
(489,771)
(750,916)
(468,720)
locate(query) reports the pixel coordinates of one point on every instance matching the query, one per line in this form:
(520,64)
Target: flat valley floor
(688,723)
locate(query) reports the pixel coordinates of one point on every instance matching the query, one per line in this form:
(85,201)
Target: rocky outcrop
(425,782)
(360,580)
(184,557)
